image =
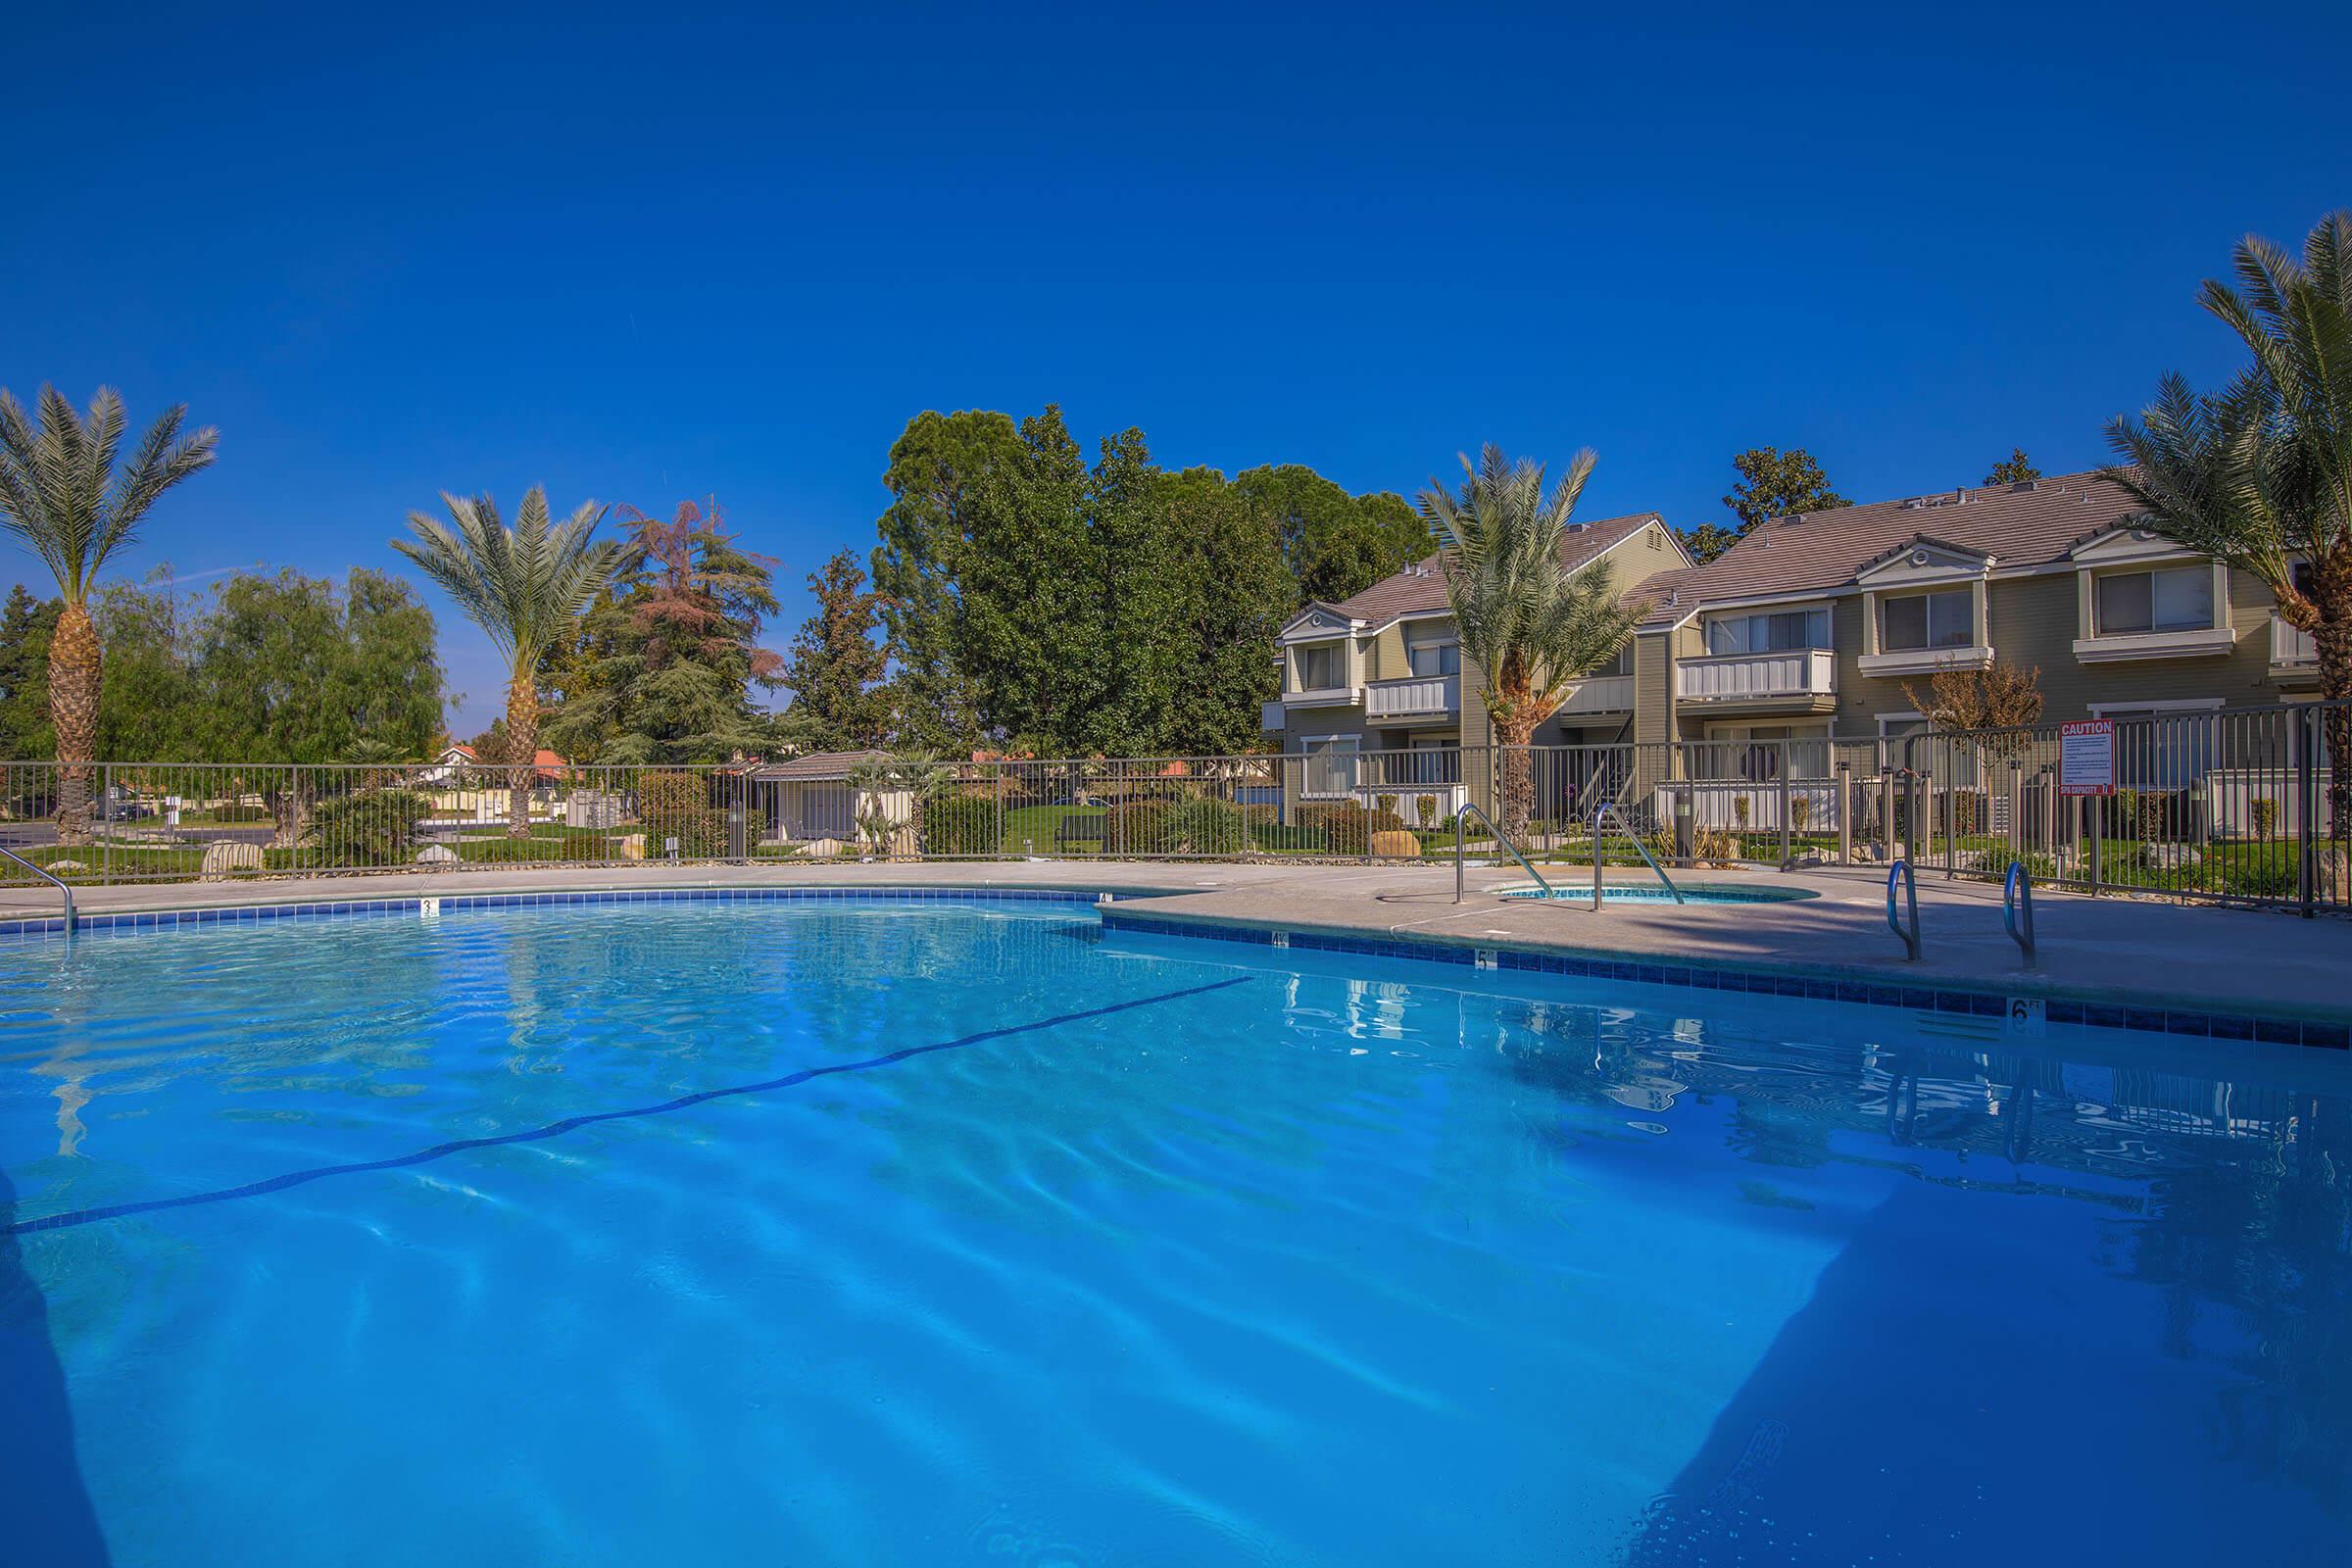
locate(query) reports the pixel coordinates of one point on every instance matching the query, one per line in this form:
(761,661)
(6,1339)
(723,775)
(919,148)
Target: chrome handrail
(1901,870)
(2017,908)
(1607,810)
(1467,809)
(48,876)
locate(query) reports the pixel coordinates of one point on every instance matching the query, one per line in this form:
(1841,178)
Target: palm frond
(55,478)
(522,585)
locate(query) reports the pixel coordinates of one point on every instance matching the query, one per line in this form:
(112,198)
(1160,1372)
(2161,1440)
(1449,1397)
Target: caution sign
(2087,757)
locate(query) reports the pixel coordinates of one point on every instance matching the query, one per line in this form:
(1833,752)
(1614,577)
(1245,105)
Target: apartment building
(1813,626)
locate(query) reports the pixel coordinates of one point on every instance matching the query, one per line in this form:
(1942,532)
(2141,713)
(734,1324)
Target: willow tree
(61,493)
(1531,624)
(2259,475)
(523,586)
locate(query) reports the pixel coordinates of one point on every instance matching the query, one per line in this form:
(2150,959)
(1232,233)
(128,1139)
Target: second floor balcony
(1414,697)
(1796,678)
(2293,654)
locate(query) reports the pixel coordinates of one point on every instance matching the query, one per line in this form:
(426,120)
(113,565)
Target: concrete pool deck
(2139,953)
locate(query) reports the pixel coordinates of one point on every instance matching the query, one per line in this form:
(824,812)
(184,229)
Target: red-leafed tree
(663,664)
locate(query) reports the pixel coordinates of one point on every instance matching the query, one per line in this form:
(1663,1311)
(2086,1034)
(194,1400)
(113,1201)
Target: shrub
(1130,828)
(1740,809)
(368,828)
(1345,828)
(1199,827)
(2155,814)
(1427,806)
(959,824)
(1800,811)
(1388,804)
(1714,844)
(2266,817)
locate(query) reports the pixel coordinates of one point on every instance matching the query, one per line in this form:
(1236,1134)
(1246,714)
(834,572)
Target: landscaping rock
(436,854)
(1396,846)
(225,857)
(64,867)
(631,846)
(824,849)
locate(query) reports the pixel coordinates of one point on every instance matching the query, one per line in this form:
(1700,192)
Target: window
(1319,666)
(2169,599)
(1436,762)
(1433,652)
(1753,752)
(1771,633)
(1918,621)
(1622,665)
(2161,748)
(1330,768)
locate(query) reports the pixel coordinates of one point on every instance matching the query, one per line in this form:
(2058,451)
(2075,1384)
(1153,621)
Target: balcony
(1414,697)
(1600,694)
(1795,679)
(2294,654)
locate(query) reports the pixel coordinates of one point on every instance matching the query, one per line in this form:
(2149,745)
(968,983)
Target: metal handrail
(50,877)
(2017,908)
(1901,870)
(1467,809)
(1607,810)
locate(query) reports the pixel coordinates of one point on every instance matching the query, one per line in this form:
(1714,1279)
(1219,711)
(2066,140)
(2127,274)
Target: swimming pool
(901,1234)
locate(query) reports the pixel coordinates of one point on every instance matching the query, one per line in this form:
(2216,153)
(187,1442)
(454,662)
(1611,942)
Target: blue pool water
(754,1234)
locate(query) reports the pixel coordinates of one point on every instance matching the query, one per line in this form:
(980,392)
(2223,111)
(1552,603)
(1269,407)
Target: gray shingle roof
(2017,525)
(1421,586)
(817,765)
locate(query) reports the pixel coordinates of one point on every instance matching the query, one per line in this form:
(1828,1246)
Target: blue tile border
(118,921)
(1944,998)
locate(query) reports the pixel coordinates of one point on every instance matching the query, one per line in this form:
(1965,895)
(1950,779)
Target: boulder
(1394,845)
(436,854)
(2331,878)
(227,857)
(631,846)
(64,867)
(823,849)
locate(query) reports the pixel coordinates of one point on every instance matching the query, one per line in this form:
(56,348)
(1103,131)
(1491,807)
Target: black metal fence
(2235,807)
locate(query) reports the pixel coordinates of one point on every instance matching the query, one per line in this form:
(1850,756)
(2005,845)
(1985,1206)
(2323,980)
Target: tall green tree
(61,493)
(1772,483)
(939,468)
(288,669)
(662,665)
(26,623)
(838,669)
(2259,475)
(522,586)
(2015,468)
(1530,624)
(1336,545)
(149,631)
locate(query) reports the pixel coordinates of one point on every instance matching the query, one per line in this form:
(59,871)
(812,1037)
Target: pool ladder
(1600,818)
(2017,908)
(1469,809)
(1900,872)
(52,878)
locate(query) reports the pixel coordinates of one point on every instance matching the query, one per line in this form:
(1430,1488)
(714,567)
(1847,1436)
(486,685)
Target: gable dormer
(1924,608)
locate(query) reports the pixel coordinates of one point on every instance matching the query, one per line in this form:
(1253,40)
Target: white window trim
(2093,648)
(1876,660)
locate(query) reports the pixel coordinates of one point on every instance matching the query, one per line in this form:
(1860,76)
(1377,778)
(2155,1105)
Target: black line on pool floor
(556,1129)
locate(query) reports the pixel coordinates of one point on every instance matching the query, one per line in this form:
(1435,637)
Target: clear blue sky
(672,254)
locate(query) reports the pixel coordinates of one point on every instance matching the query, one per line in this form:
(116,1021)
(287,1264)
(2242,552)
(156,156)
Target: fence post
(2307,815)
(2094,807)
(1846,813)
(106,833)
(1885,815)
(2017,809)
(1788,755)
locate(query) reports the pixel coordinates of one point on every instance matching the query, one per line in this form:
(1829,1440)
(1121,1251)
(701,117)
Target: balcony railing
(1413,697)
(1797,674)
(1600,694)
(2292,649)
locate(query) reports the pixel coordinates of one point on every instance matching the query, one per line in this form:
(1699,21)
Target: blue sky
(670,253)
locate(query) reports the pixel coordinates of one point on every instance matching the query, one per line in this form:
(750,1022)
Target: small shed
(803,797)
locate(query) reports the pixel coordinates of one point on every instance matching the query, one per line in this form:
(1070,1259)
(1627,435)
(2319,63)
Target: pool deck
(2141,953)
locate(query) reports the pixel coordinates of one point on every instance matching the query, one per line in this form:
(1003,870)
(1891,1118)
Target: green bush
(1200,827)
(959,824)
(2266,817)
(368,828)
(1427,806)
(1132,826)
(1345,828)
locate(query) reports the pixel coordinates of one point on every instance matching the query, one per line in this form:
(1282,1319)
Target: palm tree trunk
(522,752)
(1517,767)
(2332,641)
(73,681)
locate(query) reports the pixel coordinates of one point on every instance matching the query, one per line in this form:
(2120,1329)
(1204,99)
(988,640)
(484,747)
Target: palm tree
(59,493)
(523,586)
(2261,473)
(1530,624)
